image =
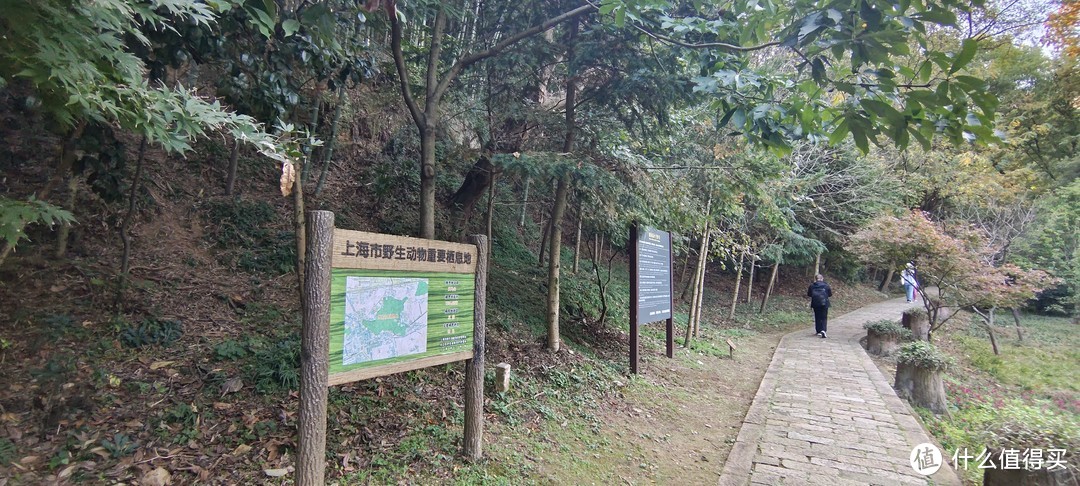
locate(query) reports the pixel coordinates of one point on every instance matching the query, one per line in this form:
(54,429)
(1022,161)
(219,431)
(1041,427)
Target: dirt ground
(675,422)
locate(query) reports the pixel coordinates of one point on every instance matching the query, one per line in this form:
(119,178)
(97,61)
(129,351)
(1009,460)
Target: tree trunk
(699,270)
(561,195)
(545,228)
(1016,319)
(990,331)
(683,281)
(314,123)
(125,257)
(885,283)
(689,282)
(768,289)
(922,387)
(577,238)
(427,182)
(750,280)
(65,228)
(491,213)
(700,296)
(479,178)
(554,262)
(301,232)
(600,283)
(328,154)
(882,344)
(525,201)
(738,281)
(314,343)
(988,324)
(993,340)
(918,322)
(817,264)
(230,178)
(472,443)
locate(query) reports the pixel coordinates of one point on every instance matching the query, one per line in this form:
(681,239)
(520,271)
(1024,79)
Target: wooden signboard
(398,304)
(379,304)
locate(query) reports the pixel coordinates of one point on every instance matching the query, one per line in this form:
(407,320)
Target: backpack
(818,296)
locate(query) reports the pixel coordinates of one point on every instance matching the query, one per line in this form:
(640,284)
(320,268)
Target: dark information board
(653,275)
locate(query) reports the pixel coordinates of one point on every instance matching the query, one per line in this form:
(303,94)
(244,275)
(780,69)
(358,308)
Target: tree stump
(923,387)
(881,344)
(1028,477)
(918,323)
(883,337)
(919,370)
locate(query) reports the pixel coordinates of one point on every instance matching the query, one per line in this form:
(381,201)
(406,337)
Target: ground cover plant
(1027,393)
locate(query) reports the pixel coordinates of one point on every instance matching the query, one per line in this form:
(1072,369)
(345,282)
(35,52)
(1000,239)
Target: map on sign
(385,317)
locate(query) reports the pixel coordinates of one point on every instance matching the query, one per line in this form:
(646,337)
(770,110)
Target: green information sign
(383,317)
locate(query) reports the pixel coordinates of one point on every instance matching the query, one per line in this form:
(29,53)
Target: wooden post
(474,368)
(633,299)
(314,348)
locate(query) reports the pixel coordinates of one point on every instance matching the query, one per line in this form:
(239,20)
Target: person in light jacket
(911,284)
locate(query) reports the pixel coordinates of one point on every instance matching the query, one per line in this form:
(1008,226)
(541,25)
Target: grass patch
(1046,361)
(1028,394)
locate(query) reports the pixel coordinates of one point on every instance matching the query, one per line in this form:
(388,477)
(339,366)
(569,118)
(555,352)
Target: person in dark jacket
(819,293)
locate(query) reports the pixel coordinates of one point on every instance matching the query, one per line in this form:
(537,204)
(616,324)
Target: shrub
(151,332)
(277,366)
(1017,425)
(922,354)
(888,328)
(247,230)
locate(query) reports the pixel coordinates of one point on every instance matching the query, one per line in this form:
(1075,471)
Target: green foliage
(7,451)
(248,227)
(181,413)
(57,370)
(1045,362)
(16,215)
(1022,426)
(59,326)
(76,57)
(922,354)
(151,332)
(888,328)
(276,366)
(229,349)
(852,48)
(120,445)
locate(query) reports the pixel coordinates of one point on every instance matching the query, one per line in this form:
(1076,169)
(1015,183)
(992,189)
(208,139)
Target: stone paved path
(825,414)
